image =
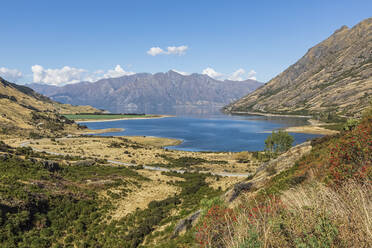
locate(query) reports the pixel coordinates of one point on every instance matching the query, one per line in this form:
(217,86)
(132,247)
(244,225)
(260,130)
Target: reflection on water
(213,132)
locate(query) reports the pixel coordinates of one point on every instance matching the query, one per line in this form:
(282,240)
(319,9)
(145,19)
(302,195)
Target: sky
(59,42)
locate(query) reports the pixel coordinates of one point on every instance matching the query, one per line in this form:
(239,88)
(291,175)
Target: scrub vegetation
(56,201)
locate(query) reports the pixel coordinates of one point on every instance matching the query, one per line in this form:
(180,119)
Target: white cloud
(238,75)
(155,51)
(70,75)
(181,72)
(180,50)
(117,72)
(212,73)
(251,75)
(10,74)
(65,75)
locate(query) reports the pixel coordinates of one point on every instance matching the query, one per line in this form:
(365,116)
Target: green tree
(278,142)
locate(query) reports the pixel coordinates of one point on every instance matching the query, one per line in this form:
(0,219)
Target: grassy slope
(23,111)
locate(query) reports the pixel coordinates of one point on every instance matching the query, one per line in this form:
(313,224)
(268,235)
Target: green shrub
(278,142)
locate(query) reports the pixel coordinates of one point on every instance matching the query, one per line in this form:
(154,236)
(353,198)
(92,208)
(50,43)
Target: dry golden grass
(18,110)
(154,141)
(155,190)
(223,183)
(310,214)
(350,206)
(28,100)
(149,152)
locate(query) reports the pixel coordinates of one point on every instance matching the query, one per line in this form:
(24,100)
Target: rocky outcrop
(186,223)
(233,193)
(334,76)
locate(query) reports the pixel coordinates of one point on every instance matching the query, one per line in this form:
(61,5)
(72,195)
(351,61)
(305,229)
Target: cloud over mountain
(212,73)
(238,75)
(117,72)
(69,75)
(10,74)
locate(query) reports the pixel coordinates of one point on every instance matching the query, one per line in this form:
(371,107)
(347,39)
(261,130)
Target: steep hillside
(151,93)
(23,111)
(334,76)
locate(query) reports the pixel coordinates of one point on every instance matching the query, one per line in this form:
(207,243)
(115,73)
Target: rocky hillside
(23,111)
(168,92)
(334,76)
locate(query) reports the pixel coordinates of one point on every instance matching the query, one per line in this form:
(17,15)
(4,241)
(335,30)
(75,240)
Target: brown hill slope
(22,111)
(334,76)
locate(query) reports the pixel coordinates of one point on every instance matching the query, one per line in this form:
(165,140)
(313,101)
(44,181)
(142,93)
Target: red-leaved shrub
(351,156)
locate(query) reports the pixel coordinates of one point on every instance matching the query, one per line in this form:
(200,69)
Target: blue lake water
(208,133)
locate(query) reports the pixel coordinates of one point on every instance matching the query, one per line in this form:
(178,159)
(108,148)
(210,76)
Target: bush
(33,135)
(271,170)
(351,156)
(214,226)
(278,142)
(242,157)
(350,124)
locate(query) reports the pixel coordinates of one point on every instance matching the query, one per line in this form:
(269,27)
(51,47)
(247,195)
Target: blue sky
(86,40)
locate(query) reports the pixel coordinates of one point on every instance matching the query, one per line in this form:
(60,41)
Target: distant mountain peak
(343,28)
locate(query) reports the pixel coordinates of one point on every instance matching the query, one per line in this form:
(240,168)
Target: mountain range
(334,77)
(164,93)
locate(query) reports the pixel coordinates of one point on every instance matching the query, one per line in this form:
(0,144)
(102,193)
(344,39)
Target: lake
(208,133)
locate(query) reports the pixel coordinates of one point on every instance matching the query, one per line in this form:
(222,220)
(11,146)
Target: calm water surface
(208,133)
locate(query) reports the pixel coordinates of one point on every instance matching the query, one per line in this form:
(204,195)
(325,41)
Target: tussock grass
(350,206)
(308,216)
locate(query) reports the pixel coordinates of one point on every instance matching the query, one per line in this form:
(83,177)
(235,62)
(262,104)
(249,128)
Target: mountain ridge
(151,93)
(334,76)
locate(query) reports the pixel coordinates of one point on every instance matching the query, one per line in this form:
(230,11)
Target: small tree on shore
(278,142)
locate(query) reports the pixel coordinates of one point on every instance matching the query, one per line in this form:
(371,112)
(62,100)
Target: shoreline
(103,130)
(125,118)
(269,114)
(314,126)
(310,130)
